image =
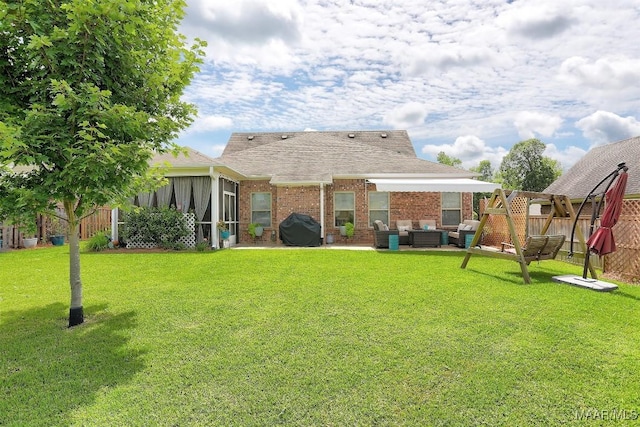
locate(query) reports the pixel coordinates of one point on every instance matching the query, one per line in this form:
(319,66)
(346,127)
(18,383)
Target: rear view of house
(334,176)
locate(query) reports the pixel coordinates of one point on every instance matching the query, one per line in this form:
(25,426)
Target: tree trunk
(76,315)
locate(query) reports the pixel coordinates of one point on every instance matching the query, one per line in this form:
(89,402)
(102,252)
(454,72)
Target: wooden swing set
(536,247)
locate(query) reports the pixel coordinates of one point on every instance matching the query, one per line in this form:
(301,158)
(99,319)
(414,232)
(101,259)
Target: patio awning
(456,185)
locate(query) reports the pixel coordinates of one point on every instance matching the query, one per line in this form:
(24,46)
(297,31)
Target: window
(451,209)
(261,208)
(344,208)
(378,207)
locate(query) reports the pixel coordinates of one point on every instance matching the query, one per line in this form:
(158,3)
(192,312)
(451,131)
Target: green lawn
(312,337)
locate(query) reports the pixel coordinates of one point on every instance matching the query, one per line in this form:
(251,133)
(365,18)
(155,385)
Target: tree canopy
(525,168)
(485,170)
(448,160)
(90,90)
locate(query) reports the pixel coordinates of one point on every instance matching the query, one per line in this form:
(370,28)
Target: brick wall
(306,200)
(245,189)
(415,206)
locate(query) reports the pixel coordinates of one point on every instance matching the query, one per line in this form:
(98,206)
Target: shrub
(202,246)
(349,229)
(163,227)
(98,242)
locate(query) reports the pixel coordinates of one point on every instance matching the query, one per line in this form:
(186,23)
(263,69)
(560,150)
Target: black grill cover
(300,230)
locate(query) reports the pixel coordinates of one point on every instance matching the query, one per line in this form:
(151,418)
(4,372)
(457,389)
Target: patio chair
(381,234)
(468,226)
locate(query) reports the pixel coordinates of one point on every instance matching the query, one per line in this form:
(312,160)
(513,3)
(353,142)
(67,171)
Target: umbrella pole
(595,213)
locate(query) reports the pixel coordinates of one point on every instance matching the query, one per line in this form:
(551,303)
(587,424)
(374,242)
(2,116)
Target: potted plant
(342,220)
(27,224)
(349,229)
(255,230)
(56,231)
(223,229)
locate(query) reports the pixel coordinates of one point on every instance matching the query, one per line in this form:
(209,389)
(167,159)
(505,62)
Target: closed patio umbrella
(601,242)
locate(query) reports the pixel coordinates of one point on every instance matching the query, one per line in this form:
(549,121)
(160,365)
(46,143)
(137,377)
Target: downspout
(324,233)
(114,225)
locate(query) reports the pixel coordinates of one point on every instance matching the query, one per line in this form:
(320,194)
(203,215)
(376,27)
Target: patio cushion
(430,222)
(474,223)
(404,223)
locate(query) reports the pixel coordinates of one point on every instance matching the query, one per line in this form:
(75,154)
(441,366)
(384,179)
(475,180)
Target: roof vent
(352,135)
(250,137)
(284,136)
(383,135)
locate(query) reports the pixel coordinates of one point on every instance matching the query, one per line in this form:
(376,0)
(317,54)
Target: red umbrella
(601,242)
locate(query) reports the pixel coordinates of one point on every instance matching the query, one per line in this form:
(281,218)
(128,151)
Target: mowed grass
(311,337)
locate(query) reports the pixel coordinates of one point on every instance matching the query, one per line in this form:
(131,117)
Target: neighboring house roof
(594,166)
(320,157)
(191,163)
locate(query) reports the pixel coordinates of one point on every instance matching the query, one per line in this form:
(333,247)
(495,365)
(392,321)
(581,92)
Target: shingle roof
(289,157)
(193,158)
(594,166)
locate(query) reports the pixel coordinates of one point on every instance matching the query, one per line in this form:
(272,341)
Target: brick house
(333,176)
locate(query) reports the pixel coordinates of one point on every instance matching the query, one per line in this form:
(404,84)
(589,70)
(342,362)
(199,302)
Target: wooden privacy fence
(564,226)
(100,220)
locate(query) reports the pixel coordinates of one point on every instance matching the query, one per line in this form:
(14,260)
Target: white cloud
(531,123)
(470,149)
(440,69)
(608,73)
(216,150)
(210,123)
(407,116)
(538,20)
(603,127)
(567,157)
(440,58)
(246,32)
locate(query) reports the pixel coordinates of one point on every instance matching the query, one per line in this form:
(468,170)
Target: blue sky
(467,77)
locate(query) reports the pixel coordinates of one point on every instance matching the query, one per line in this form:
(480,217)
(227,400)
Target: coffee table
(425,238)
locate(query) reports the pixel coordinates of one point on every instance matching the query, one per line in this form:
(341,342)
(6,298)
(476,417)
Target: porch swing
(535,247)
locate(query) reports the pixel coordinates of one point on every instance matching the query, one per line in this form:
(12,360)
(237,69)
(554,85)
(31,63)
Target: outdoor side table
(445,237)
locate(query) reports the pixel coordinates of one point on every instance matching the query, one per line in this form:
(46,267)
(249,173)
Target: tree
(525,168)
(90,90)
(447,160)
(485,170)
(486,174)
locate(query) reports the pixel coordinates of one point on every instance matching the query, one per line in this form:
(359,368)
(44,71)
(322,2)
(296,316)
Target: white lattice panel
(189,241)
